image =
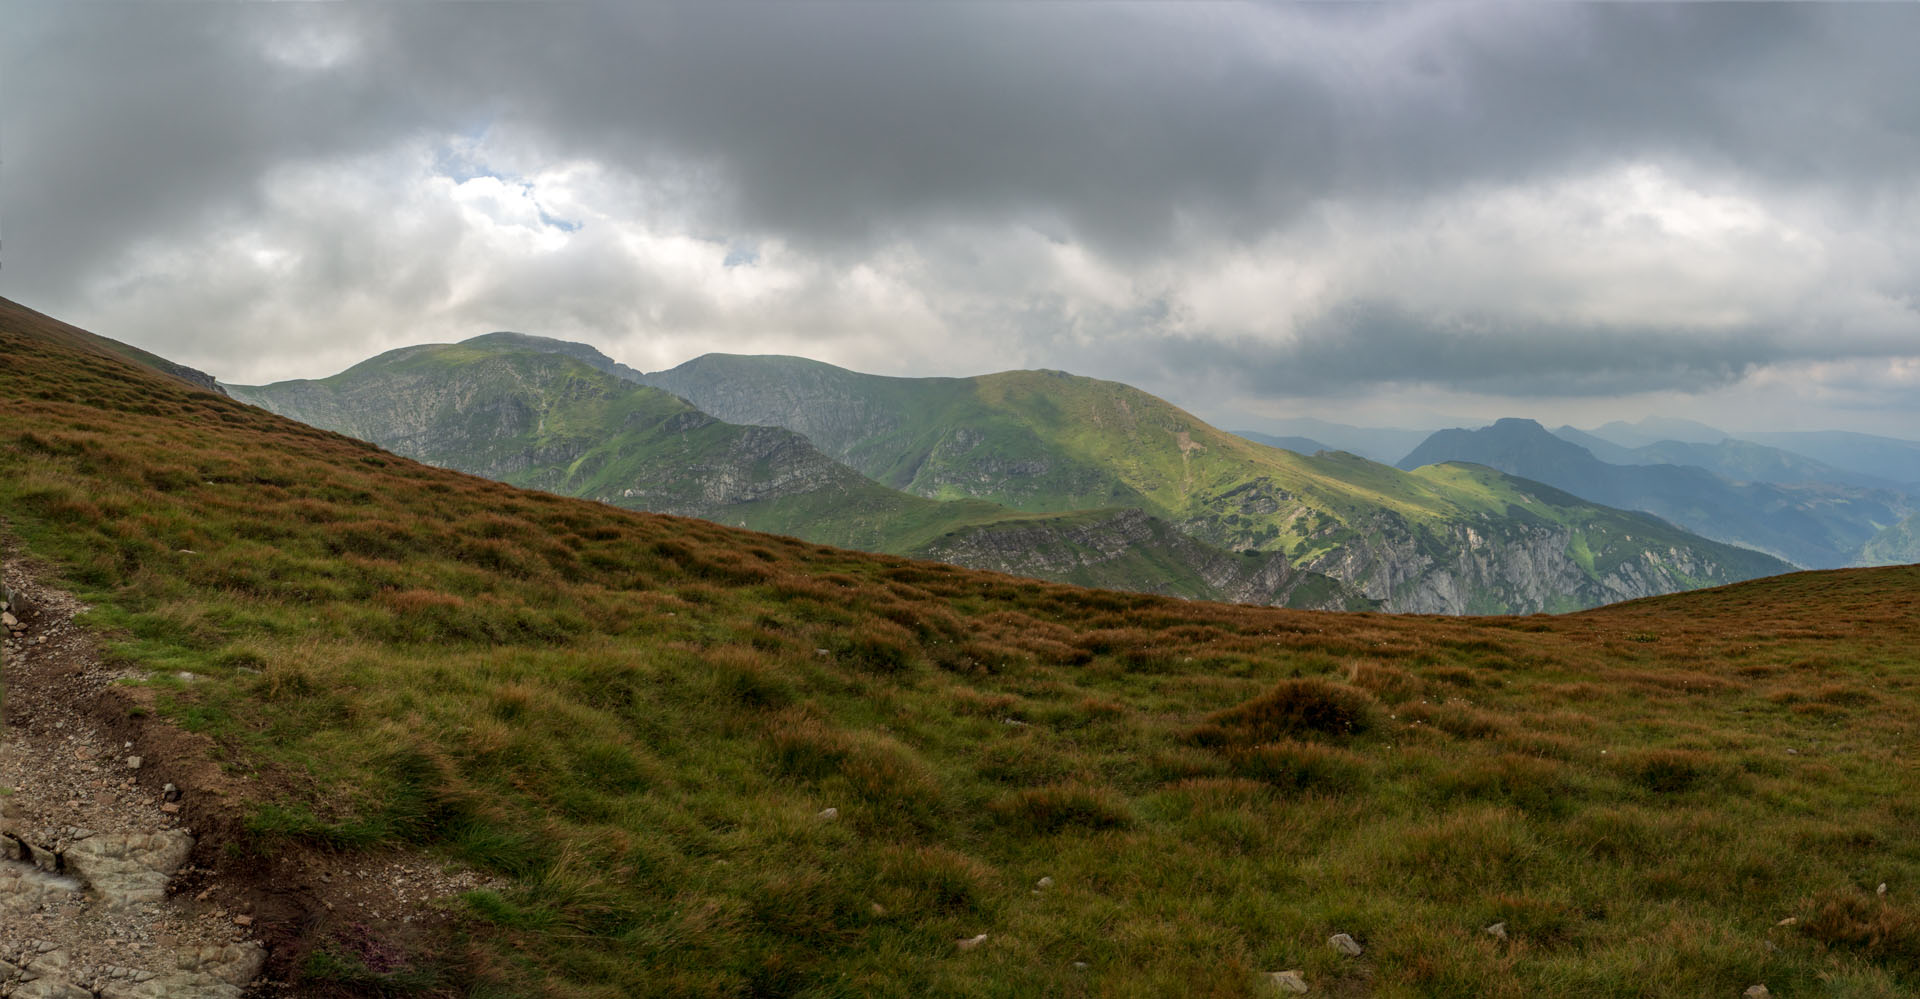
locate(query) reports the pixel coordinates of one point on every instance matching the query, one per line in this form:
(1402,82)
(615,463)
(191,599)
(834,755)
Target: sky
(1377,214)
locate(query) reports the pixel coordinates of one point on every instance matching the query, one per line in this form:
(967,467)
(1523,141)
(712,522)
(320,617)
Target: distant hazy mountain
(1653,429)
(1881,457)
(1816,525)
(1382,444)
(1600,447)
(1733,459)
(1298,445)
(1452,539)
(563,417)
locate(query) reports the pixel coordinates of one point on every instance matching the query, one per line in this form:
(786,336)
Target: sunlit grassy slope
(548,414)
(637,720)
(1050,441)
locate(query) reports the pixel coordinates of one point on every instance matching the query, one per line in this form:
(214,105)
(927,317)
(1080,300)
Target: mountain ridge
(1047,440)
(541,413)
(1817,525)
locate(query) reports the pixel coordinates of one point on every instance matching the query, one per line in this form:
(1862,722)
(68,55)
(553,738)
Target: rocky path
(94,846)
(116,880)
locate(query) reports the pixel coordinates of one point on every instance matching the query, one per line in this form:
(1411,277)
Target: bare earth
(112,880)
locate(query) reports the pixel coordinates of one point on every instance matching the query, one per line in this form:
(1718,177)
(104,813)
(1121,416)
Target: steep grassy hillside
(1814,524)
(637,723)
(559,416)
(1049,441)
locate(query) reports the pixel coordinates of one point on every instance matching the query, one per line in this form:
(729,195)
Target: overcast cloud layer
(1357,212)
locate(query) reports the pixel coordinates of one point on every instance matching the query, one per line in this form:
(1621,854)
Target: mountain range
(1808,513)
(1038,472)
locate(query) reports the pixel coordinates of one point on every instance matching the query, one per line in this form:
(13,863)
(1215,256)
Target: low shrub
(1055,809)
(1302,767)
(1306,707)
(1859,921)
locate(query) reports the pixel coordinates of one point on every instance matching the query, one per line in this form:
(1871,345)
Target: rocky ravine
(113,880)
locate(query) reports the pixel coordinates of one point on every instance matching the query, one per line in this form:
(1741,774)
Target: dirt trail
(115,879)
(91,837)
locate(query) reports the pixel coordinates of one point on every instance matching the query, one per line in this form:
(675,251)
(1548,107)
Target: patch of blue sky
(564,225)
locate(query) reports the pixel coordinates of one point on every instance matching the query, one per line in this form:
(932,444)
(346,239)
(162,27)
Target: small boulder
(1498,931)
(971,943)
(828,814)
(1344,944)
(1288,981)
(1757,992)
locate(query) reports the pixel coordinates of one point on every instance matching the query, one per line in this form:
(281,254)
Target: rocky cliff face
(834,408)
(1089,550)
(757,464)
(1504,568)
(518,417)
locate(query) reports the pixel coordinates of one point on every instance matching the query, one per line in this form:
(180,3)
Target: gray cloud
(280,181)
(1372,342)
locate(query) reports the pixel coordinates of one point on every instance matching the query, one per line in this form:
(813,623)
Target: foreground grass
(638,720)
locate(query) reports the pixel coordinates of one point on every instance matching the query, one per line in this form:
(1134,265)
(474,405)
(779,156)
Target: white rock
(1498,930)
(1344,944)
(1046,882)
(1882,890)
(828,814)
(133,763)
(1757,992)
(971,942)
(1288,981)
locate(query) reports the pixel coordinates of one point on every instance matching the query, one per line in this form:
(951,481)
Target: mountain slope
(1653,429)
(1897,545)
(1049,441)
(634,726)
(1299,445)
(1881,457)
(1382,444)
(1820,526)
(551,415)
(1732,459)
